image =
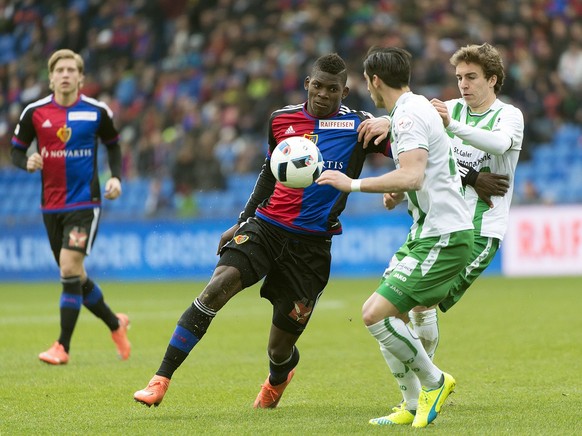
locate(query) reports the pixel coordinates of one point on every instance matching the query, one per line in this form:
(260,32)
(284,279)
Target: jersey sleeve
(107,131)
(410,130)
(263,189)
(110,138)
(24,132)
(384,146)
(507,132)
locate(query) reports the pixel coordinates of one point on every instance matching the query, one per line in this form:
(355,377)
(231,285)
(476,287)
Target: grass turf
(512,344)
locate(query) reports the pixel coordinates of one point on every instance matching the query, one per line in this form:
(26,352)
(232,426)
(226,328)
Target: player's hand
(112,188)
(373,128)
(441,108)
(34,162)
(337,179)
(393,199)
(227,236)
(491,184)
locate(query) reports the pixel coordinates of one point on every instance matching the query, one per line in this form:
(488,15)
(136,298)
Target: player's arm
(507,131)
(374,131)
(18,157)
(496,141)
(485,184)
(23,136)
(110,138)
(113,185)
(408,177)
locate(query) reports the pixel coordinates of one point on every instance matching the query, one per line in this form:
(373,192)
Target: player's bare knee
(224,284)
(368,316)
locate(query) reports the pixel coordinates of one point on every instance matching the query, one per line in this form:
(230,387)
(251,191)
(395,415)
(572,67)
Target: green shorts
(484,250)
(423,271)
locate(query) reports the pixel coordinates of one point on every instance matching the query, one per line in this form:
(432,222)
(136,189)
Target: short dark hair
(332,64)
(487,57)
(390,64)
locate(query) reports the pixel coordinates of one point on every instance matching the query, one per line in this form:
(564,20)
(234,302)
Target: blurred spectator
(529,193)
(184,172)
(159,202)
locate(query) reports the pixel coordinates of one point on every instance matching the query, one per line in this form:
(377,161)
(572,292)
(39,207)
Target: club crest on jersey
(301,311)
(240,239)
(64,133)
(312,138)
(78,237)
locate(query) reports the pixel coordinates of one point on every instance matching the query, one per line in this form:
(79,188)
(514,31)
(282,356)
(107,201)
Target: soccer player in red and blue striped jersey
(68,127)
(283,235)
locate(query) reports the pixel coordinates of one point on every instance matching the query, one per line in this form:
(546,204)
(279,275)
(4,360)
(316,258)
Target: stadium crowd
(192,82)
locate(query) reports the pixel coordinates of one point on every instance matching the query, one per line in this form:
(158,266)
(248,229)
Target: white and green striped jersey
(439,207)
(490,141)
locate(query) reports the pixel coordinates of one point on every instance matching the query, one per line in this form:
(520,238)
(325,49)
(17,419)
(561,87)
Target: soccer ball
(296,162)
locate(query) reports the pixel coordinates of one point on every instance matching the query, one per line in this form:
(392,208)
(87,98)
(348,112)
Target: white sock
(426,326)
(397,338)
(407,381)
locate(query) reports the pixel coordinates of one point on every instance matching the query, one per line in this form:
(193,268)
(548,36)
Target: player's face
(374,94)
(325,92)
(477,91)
(65,77)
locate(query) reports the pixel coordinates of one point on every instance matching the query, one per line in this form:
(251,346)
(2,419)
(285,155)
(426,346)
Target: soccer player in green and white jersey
(440,240)
(487,135)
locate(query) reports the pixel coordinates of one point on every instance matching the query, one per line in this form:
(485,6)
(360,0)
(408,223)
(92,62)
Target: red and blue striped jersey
(67,139)
(315,210)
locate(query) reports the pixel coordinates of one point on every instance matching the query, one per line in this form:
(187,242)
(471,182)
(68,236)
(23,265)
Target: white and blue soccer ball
(296,162)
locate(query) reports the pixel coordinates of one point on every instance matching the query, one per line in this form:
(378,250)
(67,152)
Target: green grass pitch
(514,346)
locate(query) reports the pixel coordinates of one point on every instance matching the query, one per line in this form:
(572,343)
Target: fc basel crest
(312,138)
(64,133)
(241,239)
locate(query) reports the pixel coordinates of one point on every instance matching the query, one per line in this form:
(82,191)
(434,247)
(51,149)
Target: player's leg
(484,250)
(70,266)
(118,323)
(243,262)
(93,298)
(293,287)
(408,384)
(425,323)
(424,276)
(384,322)
(190,329)
(425,319)
(283,358)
